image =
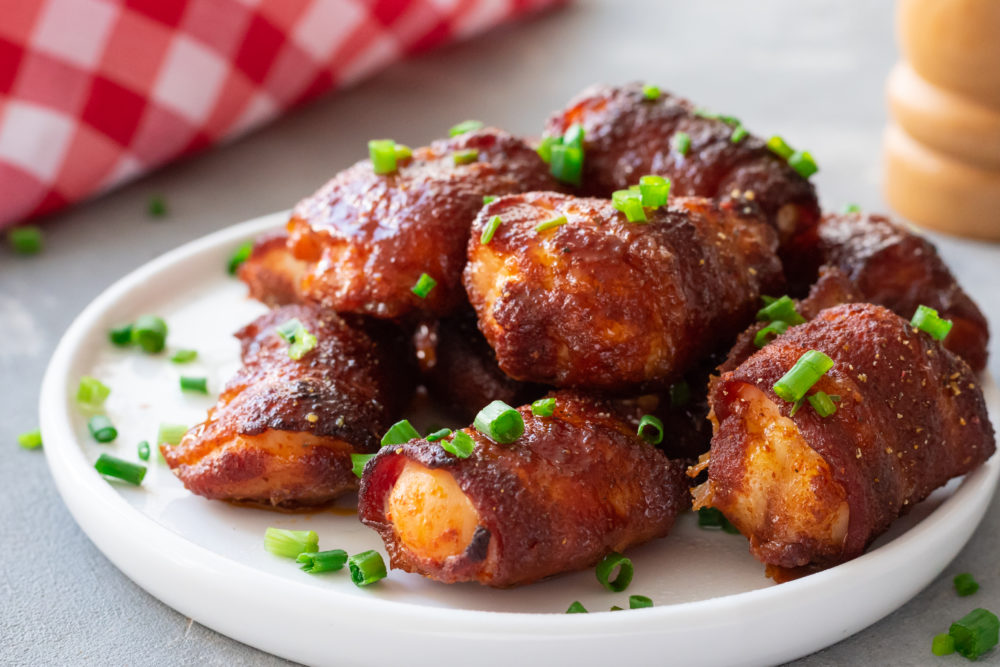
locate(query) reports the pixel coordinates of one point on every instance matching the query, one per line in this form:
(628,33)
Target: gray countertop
(813,72)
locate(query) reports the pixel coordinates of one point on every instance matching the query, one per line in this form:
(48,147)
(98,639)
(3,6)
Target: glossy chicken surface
(283,430)
(811,491)
(628,136)
(604,304)
(367,238)
(890,265)
(572,488)
(271,273)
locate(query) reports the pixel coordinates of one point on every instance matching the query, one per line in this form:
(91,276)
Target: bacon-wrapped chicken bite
(892,266)
(892,416)
(283,430)
(271,272)
(628,134)
(460,370)
(573,487)
(569,293)
(368,238)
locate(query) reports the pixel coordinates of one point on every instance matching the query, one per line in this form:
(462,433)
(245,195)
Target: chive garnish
(143,450)
(544,407)
(184,356)
(240,255)
(150,333)
(91,394)
(465,157)
(358,463)
(461,445)
(927,320)
(465,126)
(121,336)
(681,143)
(101,428)
(975,633)
(322,561)
(157,206)
(615,561)
(25,239)
(170,434)
(490,229)
(382,153)
(300,341)
(290,543)
(438,435)
(195,384)
(639,602)
(650,429)
(366,568)
(112,466)
(810,367)
(30,439)
(551,224)
(651,92)
(802,162)
(576,608)
(400,433)
(423,286)
(965,585)
(499,422)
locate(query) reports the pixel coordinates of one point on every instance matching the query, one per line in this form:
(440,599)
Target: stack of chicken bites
(643,312)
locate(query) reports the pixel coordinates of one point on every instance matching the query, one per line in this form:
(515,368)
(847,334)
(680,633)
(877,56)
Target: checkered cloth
(95,92)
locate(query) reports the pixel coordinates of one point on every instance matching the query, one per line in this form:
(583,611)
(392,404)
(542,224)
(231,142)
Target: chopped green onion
(465,157)
(965,585)
(239,256)
(366,568)
(499,422)
(91,394)
(121,336)
(852,208)
(709,517)
(681,143)
(654,190)
(680,394)
(461,445)
(739,134)
(383,155)
(25,239)
(573,136)
(290,543)
(437,435)
(803,163)
(184,356)
(112,466)
(400,433)
(567,164)
(465,126)
(975,633)
(170,434)
(822,403)
(199,385)
(157,206)
(358,463)
(300,341)
(772,330)
(143,450)
(615,561)
(489,199)
(650,92)
(102,429)
(810,367)
(615,607)
(403,152)
(629,202)
(150,333)
(943,644)
(927,320)
(783,310)
(551,224)
(490,229)
(639,602)
(315,562)
(779,147)
(30,439)
(423,286)
(649,421)
(576,608)
(544,407)
(796,406)
(544,149)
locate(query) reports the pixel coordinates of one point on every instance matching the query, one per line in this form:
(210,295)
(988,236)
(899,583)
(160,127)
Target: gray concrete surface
(812,71)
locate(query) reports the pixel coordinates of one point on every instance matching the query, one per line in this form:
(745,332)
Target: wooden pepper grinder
(942,146)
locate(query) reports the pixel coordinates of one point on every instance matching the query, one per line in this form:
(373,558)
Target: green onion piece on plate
(823,403)
(810,367)
(112,466)
(150,333)
(400,433)
(102,429)
(195,384)
(614,561)
(499,422)
(240,255)
(709,517)
(975,633)
(30,439)
(927,320)
(290,543)
(576,608)
(25,239)
(461,445)
(782,309)
(465,126)
(91,394)
(157,206)
(423,286)
(170,434)
(567,163)
(943,644)
(965,585)
(629,202)
(650,429)
(358,463)
(184,356)
(654,190)
(366,568)
(852,208)
(639,602)
(143,450)
(121,336)
(544,407)
(382,153)
(315,562)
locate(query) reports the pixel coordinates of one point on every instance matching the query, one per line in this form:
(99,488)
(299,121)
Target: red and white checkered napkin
(95,92)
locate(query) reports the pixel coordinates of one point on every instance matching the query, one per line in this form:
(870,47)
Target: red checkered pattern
(95,92)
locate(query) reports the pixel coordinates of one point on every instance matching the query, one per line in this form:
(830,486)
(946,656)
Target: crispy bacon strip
(890,265)
(628,136)
(811,492)
(601,303)
(574,487)
(282,432)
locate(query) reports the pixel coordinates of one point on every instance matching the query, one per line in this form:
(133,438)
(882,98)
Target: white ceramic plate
(206,559)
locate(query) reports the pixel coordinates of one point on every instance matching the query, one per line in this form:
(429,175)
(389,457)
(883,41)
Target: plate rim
(76,479)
